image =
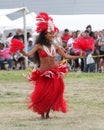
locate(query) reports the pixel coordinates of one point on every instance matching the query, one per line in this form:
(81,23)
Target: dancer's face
(50,36)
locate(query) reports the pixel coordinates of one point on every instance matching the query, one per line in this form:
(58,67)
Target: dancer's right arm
(36,48)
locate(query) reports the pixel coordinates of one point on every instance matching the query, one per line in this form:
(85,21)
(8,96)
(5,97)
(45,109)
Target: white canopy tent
(72,22)
(5,23)
(79,22)
(24,11)
(5,12)
(10,11)
(30,21)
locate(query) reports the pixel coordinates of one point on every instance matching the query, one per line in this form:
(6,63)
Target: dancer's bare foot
(47,116)
(42,116)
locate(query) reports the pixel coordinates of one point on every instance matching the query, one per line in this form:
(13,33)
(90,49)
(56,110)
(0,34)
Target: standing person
(66,36)
(89,63)
(96,50)
(74,63)
(101,45)
(89,28)
(48,93)
(58,41)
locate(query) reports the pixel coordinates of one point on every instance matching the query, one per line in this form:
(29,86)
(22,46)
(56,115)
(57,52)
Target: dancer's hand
(82,54)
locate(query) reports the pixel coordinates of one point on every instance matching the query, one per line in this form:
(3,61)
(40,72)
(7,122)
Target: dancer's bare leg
(47,114)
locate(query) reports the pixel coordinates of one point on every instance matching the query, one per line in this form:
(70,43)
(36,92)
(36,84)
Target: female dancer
(48,86)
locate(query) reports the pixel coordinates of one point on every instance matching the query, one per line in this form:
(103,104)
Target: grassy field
(84,94)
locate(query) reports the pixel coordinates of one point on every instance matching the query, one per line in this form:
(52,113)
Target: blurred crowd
(92,62)
(15,61)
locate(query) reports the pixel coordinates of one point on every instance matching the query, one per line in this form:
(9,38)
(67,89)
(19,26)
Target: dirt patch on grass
(84,95)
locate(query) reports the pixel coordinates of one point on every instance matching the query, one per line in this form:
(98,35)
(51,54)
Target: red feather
(41,26)
(84,43)
(16,45)
(45,23)
(43,15)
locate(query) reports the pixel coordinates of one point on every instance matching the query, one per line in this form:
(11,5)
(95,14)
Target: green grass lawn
(84,93)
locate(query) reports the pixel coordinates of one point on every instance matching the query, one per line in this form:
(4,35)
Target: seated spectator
(18,61)
(5,56)
(28,35)
(30,44)
(30,47)
(9,38)
(19,35)
(18,58)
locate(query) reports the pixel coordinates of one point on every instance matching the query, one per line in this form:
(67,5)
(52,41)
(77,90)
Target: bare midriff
(47,63)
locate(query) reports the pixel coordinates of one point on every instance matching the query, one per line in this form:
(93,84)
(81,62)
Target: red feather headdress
(45,22)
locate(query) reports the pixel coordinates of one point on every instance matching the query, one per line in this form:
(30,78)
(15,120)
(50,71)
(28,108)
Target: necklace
(51,52)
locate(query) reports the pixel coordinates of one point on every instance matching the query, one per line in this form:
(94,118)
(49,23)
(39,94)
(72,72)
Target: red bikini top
(42,54)
(46,52)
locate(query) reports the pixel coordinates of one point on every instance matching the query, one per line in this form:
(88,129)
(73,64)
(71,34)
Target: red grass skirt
(48,91)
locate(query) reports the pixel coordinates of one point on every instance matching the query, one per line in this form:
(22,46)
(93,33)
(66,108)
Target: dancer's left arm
(67,56)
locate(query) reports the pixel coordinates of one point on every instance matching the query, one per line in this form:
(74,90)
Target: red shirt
(66,37)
